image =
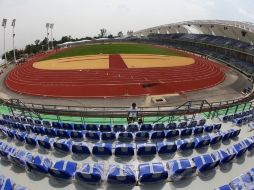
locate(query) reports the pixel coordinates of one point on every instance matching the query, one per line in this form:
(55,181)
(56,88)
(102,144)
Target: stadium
(66,119)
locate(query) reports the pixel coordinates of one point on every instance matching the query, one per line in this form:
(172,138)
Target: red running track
(114,82)
(116,62)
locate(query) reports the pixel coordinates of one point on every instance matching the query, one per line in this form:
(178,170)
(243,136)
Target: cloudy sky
(80,18)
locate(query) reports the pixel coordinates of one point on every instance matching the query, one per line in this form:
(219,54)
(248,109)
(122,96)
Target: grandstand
(63,112)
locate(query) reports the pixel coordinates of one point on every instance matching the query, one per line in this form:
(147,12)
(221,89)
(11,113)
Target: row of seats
(245,181)
(124,174)
(8,184)
(123,149)
(18,123)
(239,118)
(112,136)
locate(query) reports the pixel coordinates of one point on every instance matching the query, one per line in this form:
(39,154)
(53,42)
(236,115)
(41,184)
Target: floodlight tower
(47,26)
(51,25)
(4,26)
(13,39)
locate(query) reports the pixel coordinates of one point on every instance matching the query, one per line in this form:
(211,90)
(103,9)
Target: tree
(37,42)
(120,34)
(103,32)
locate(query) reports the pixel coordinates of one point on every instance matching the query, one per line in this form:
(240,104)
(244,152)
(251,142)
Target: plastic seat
(63,145)
(80,148)
(132,128)
(225,135)
(142,136)
(102,149)
(118,128)
(171,126)
(31,140)
(39,164)
(45,142)
(105,128)
(146,127)
(146,149)
(92,127)
(198,130)
(125,136)
(51,132)
(21,127)
(95,136)
(77,135)
(172,134)
(37,122)
(124,150)
(46,123)
(201,142)
(224,156)
(249,143)
(20,136)
(150,173)
(235,133)
(208,128)
(79,127)
(205,162)
(157,135)
(224,187)
(158,127)
(6,183)
(67,126)
(11,133)
(123,174)
(192,124)
(201,122)
(57,125)
(217,126)
(184,145)
(108,136)
(179,169)
(245,181)
(63,169)
(182,124)
(91,174)
(239,149)
(185,132)
(20,157)
(166,147)
(6,150)
(216,138)
(65,134)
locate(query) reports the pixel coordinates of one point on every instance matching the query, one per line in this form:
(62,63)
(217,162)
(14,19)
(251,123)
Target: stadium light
(4,26)
(47,26)
(51,25)
(13,24)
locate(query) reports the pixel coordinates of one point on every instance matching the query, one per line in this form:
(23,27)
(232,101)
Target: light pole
(13,36)
(47,26)
(4,26)
(51,29)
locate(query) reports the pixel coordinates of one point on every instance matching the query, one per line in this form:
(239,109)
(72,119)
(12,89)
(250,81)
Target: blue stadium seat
(77,135)
(6,183)
(57,125)
(205,162)
(201,142)
(142,136)
(45,142)
(146,127)
(198,130)
(146,149)
(80,148)
(132,128)
(20,136)
(125,136)
(224,156)
(208,128)
(179,169)
(91,174)
(19,158)
(152,172)
(67,126)
(108,136)
(158,127)
(61,133)
(184,145)
(171,126)
(63,169)
(102,149)
(166,147)
(118,128)
(63,145)
(92,127)
(39,164)
(123,174)
(51,132)
(172,134)
(79,127)
(105,128)
(31,139)
(94,136)
(157,135)
(216,138)
(185,132)
(124,150)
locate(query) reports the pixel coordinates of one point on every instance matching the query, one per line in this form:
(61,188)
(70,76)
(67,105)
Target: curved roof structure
(243,31)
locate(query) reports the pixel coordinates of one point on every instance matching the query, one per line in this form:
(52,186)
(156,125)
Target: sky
(80,18)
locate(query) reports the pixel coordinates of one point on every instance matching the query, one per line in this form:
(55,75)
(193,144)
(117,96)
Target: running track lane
(116,62)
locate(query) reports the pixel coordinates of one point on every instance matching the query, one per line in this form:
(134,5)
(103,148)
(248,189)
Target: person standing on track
(133,114)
